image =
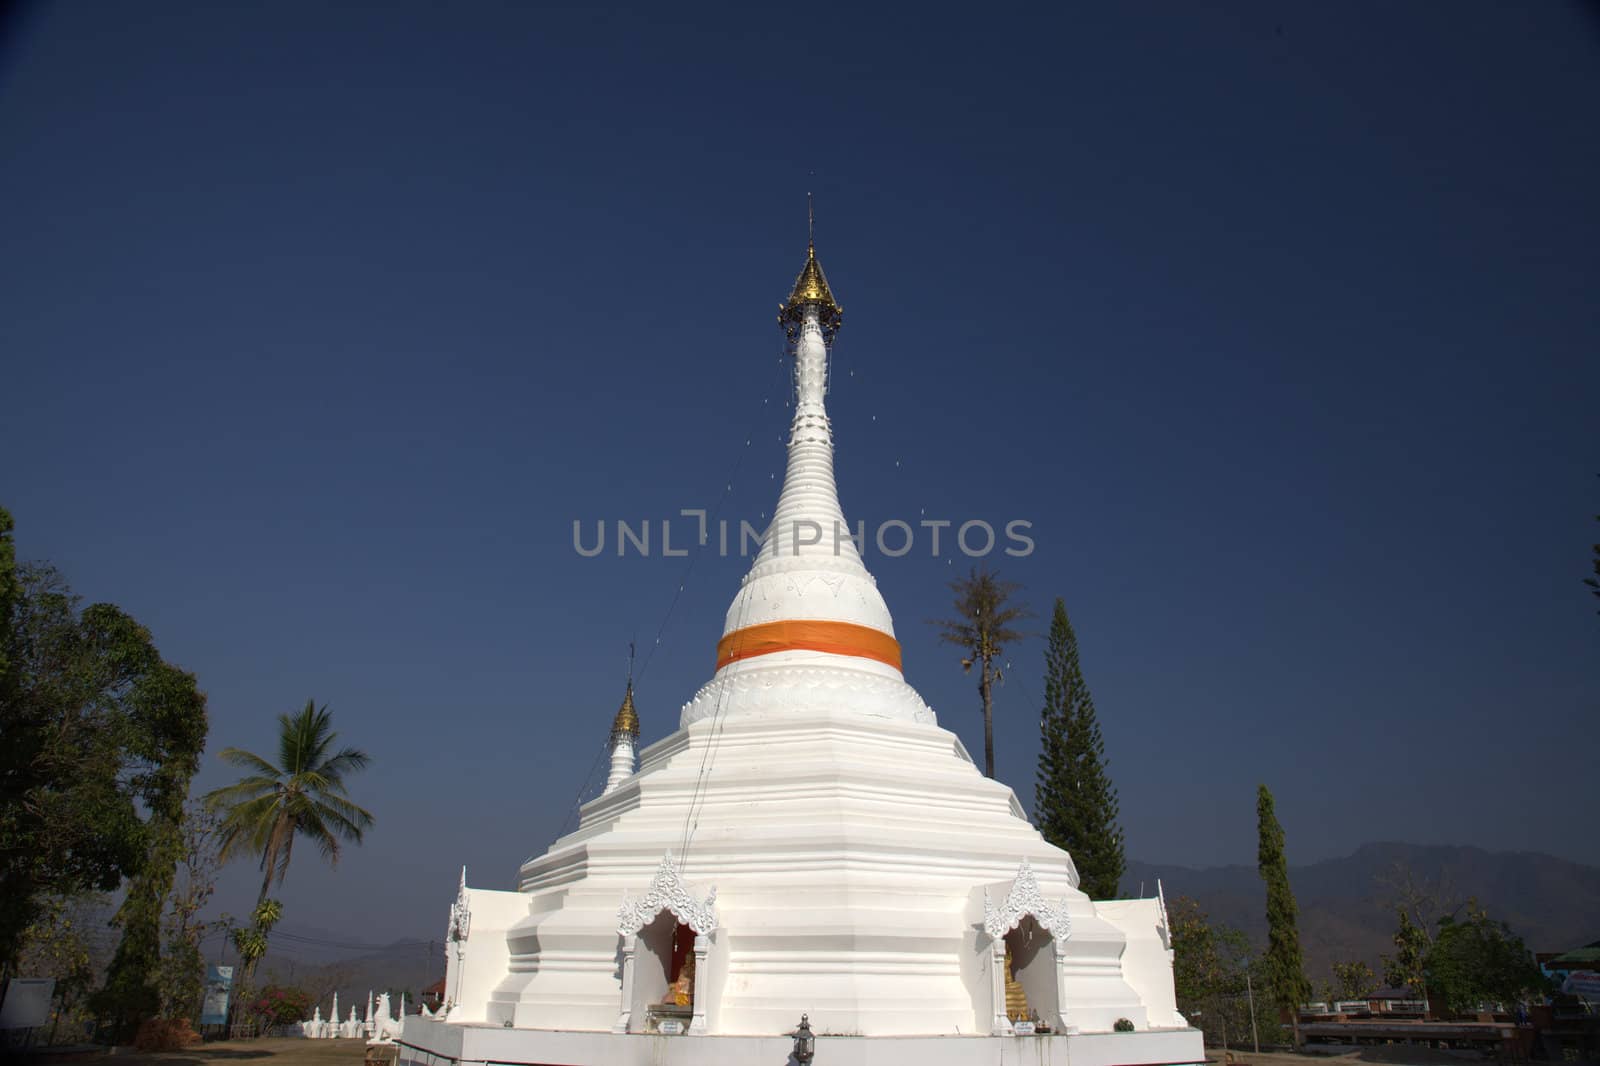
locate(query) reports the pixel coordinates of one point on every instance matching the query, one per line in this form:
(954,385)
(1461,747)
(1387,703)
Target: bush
(165,1034)
(1123,1026)
(280,1005)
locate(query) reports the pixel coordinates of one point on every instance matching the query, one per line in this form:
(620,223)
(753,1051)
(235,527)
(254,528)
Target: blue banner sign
(219,982)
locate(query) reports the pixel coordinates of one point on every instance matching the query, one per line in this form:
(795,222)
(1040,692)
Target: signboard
(219,982)
(1023,1028)
(1585,983)
(670,1027)
(27,1002)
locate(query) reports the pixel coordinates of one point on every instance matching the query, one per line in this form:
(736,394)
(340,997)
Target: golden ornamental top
(627,721)
(811,290)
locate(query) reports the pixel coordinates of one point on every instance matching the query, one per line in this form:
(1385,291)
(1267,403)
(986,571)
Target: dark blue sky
(321,324)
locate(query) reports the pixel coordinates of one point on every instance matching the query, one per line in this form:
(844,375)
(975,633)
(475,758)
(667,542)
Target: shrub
(280,1005)
(1123,1026)
(165,1034)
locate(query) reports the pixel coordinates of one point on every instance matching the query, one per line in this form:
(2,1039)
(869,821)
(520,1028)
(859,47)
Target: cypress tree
(1285,970)
(1074,803)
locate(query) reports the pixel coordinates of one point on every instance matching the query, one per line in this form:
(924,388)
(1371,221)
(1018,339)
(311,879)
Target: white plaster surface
(831,843)
(433,1044)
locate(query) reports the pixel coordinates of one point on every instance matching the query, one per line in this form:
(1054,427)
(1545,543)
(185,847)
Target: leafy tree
(67,823)
(1424,899)
(1074,802)
(1353,980)
(1594,582)
(981,628)
(167,732)
(1407,967)
(181,975)
(70,941)
(1282,965)
(10,593)
(101,738)
(1477,960)
(1209,964)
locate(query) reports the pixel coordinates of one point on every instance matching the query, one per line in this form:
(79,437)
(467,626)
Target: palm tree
(303,795)
(982,628)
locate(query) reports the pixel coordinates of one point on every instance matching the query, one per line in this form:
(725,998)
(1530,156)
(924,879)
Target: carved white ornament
(460,913)
(667,893)
(1024,899)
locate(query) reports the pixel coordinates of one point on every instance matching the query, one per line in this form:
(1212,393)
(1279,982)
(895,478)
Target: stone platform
(431,1043)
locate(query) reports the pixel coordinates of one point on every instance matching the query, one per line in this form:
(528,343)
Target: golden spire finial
(627,720)
(811,289)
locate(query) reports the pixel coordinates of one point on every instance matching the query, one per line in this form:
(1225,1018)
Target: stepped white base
(843,865)
(431,1043)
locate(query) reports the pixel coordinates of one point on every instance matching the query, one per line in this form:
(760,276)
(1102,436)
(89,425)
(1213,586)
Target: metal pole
(1249,991)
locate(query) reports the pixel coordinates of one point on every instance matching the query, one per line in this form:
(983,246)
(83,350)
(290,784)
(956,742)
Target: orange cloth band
(836,638)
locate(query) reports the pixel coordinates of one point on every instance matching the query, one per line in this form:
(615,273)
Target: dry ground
(291,1052)
(272,1051)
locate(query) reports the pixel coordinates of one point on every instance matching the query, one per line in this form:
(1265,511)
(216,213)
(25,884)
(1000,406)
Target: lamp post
(805,1044)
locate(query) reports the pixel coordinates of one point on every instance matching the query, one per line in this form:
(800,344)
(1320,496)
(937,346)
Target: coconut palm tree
(302,795)
(982,628)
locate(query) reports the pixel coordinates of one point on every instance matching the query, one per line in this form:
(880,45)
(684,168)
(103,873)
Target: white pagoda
(809,842)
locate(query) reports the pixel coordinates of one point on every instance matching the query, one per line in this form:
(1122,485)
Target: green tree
(101,738)
(1074,802)
(1209,964)
(69,940)
(1282,965)
(1353,980)
(10,593)
(167,730)
(1477,960)
(303,794)
(1594,582)
(1407,967)
(981,628)
(181,975)
(68,824)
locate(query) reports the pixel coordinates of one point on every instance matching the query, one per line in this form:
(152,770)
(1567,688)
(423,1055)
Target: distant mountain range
(406,966)
(1347,909)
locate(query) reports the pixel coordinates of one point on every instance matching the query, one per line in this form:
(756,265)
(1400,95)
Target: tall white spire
(808,601)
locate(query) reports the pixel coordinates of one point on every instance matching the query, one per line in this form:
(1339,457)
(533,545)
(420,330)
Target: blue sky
(320,324)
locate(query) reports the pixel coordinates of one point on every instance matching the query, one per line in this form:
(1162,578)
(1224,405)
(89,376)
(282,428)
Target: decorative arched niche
(1026,941)
(664,932)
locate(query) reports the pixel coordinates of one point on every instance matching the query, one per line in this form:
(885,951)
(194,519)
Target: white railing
(1405,1006)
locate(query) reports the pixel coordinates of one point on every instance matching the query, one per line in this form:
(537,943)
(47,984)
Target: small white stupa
(624,735)
(810,842)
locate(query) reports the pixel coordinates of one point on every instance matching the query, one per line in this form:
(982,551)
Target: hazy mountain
(1346,909)
(405,966)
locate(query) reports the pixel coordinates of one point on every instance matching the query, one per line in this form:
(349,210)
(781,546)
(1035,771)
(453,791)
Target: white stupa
(808,841)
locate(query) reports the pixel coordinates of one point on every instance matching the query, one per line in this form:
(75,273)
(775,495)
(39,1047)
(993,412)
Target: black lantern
(805,1044)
